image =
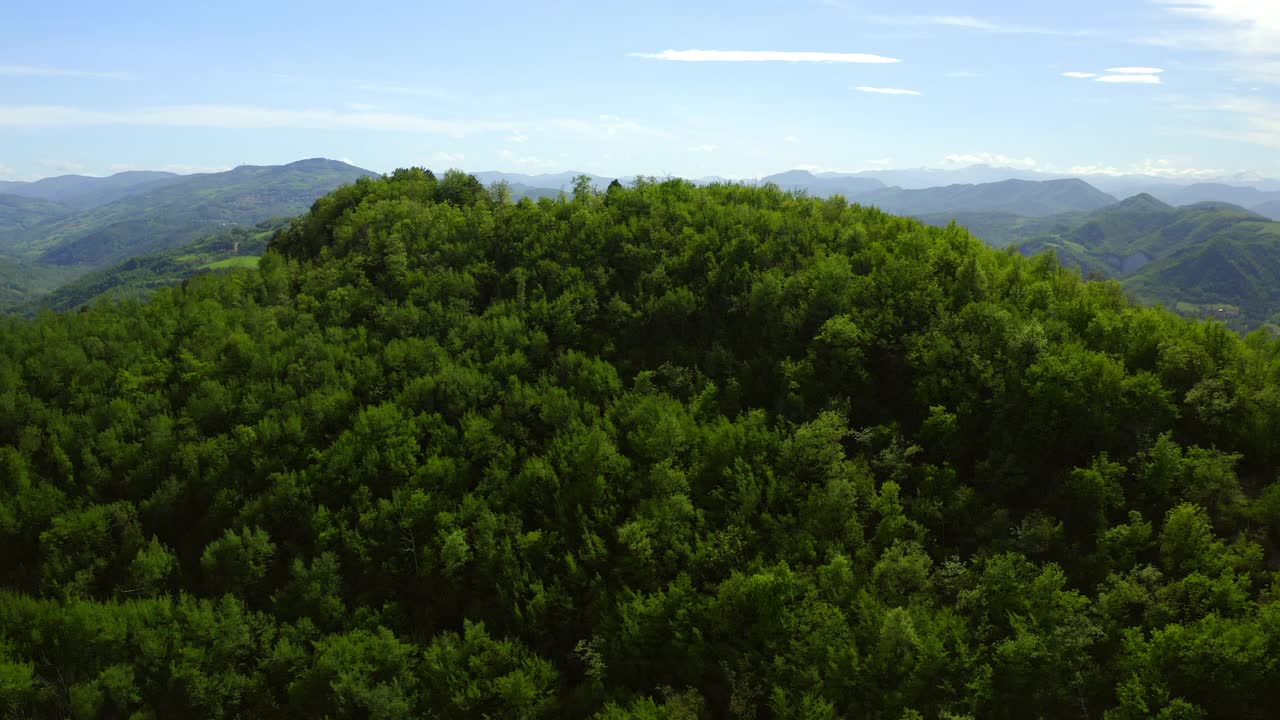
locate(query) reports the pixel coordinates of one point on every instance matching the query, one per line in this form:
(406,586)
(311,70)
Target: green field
(242,261)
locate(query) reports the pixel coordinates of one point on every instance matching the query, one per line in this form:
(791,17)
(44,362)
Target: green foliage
(654,451)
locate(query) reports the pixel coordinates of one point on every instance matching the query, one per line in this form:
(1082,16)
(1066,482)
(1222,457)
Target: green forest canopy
(655,452)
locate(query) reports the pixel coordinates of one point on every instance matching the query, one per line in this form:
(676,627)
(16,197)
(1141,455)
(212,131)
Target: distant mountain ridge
(169,212)
(82,192)
(1030,198)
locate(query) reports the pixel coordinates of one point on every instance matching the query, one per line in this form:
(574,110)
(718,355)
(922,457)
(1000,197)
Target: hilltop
(653,451)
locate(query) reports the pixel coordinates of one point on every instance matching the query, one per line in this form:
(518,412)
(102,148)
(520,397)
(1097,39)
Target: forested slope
(140,276)
(658,452)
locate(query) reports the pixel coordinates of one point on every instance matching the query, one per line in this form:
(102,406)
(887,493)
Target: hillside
(177,211)
(1001,230)
(663,451)
(21,280)
(1123,238)
(1235,278)
(19,214)
(81,192)
(1242,195)
(142,275)
(1019,197)
(1269,210)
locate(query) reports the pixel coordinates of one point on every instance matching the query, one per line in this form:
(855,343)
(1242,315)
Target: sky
(1176,88)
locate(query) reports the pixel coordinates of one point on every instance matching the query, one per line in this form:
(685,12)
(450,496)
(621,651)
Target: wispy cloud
(1242,26)
(1074,74)
(7,173)
(765,56)
(606,127)
(62,167)
(1136,70)
(1259,121)
(1247,32)
(885,90)
(241,117)
(409,90)
(48,71)
(249,117)
(1130,79)
(526,162)
(968,22)
(443,159)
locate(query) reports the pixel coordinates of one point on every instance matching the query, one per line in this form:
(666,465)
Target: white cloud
(704,148)
(7,173)
(1131,75)
(517,137)
(764,56)
(992,159)
(1162,168)
(46,71)
(1136,70)
(885,90)
(1130,79)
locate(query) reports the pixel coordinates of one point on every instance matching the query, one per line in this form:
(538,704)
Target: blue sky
(614,87)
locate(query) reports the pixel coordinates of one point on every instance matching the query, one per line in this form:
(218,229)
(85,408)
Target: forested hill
(656,452)
(168,213)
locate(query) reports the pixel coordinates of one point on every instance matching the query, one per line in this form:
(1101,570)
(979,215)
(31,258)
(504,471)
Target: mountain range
(978,188)
(1208,258)
(80,192)
(1200,247)
(56,229)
